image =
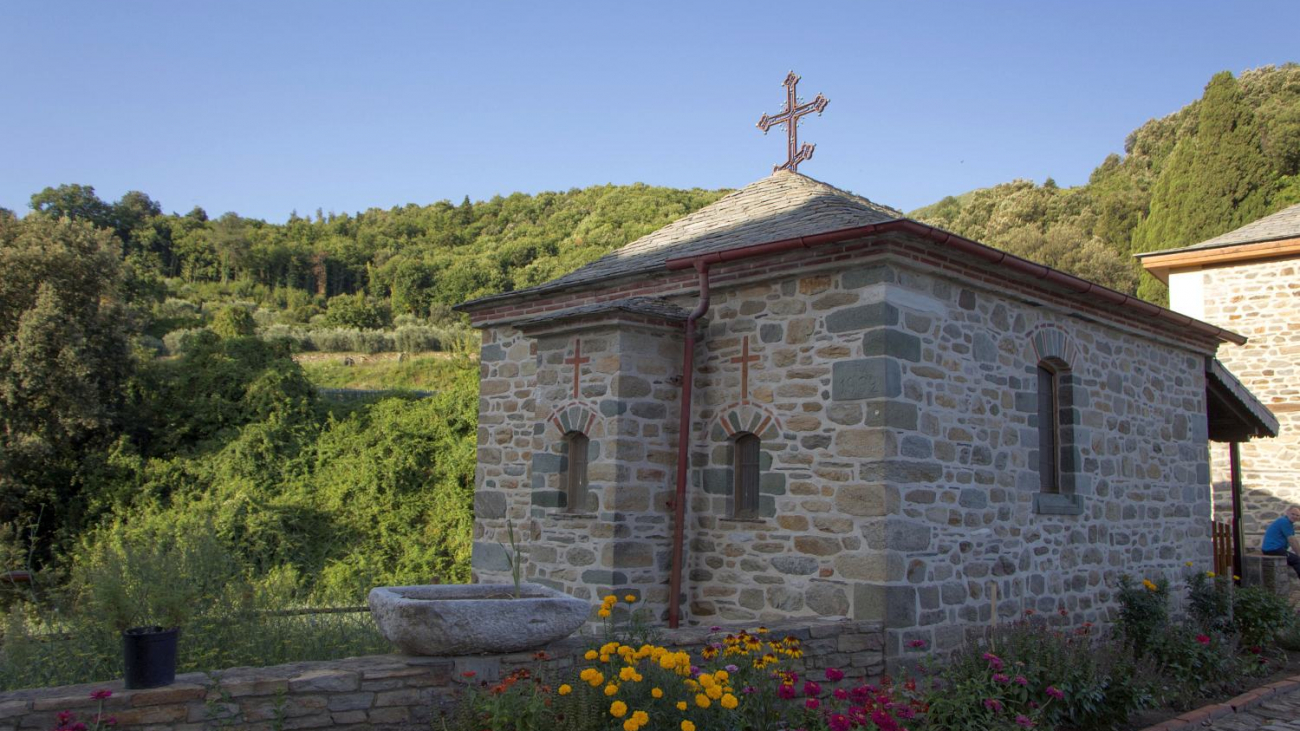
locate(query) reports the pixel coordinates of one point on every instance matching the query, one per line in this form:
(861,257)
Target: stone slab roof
(654,307)
(1285,224)
(1251,415)
(782,205)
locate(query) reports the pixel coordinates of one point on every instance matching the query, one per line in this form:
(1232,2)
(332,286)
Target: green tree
(1215,181)
(74,201)
(357,311)
(234,321)
(64,360)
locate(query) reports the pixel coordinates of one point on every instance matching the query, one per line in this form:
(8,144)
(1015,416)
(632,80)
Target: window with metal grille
(746,476)
(575,471)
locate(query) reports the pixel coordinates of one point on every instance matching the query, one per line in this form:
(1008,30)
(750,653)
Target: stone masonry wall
(963,482)
(900,476)
(1260,300)
(626,406)
(382,692)
(894,396)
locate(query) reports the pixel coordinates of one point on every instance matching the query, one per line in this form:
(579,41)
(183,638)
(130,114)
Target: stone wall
(1260,300)
(893,391)
(383,692)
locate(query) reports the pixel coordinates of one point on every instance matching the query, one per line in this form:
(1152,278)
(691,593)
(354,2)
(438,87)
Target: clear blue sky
(267,107)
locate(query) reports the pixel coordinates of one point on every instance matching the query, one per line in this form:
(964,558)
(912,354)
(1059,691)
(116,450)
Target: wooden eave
(1161,265)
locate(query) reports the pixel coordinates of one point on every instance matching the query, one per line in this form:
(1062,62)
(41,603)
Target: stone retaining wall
(384,692)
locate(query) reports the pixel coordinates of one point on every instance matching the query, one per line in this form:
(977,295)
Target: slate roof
(782,205)
(656,307)
(1285,224)
(1264,422)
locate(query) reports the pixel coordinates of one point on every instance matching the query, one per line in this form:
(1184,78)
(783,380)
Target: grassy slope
(419,372)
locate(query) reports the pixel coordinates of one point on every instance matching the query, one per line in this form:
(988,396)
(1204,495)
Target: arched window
(1053,424)
(746,475)
(575,471)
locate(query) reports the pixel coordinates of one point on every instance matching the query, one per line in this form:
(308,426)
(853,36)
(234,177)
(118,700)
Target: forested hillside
(1220,162)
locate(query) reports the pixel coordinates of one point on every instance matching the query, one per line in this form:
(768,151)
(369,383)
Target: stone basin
(467,619)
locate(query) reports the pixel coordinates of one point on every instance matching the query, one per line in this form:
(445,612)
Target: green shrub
(1259,616)
(178,342)
(1143,611)
(356,311)
(1051,677)
(1193,664)
(1209,602)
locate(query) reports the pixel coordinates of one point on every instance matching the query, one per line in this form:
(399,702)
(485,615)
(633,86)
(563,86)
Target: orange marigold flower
(566,689)
(618,709)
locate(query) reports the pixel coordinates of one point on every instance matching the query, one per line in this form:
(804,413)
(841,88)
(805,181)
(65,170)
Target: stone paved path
(1279,713)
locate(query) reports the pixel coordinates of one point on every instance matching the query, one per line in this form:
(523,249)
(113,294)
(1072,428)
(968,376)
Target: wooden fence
(1221,531)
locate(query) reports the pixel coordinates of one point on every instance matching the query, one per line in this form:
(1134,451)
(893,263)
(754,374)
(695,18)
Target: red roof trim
(976,249)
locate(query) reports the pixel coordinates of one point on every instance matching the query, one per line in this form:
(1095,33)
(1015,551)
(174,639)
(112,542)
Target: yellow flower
(655,692)
(604,658)
(630,598)
(595,679)
(1210,574)
(630,725)
(702,700)
(641,717)
(681,705)
(729,701)
(688,726)
(618,709)
(722,675)
(1151,585)
(762,630)
(603,613)
(566,689)
(611,689)
(707,680)
(714,692)
(591,655)
(611,599)
(1236,578)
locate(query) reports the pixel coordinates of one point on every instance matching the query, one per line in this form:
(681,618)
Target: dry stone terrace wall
(1260,300)
(383,692)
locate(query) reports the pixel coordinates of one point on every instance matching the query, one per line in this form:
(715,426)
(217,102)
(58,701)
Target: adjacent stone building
(886,422)
(1247,280)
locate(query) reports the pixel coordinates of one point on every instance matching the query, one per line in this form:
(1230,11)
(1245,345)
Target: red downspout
(684,448)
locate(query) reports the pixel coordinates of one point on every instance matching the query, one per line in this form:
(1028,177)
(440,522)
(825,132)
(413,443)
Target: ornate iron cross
(744,359)
(790,117)
(577,361)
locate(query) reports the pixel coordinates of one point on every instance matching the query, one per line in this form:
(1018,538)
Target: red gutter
(974,248)
(684,448)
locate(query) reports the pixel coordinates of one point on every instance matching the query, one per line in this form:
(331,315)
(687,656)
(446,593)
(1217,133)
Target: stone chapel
(797,403)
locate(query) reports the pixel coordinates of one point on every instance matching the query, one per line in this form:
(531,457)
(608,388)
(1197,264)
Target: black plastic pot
(149,654)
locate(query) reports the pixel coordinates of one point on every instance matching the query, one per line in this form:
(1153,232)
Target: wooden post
(1234,467)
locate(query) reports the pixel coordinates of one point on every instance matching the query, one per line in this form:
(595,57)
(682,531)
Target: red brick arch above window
(573,416)
(740,418)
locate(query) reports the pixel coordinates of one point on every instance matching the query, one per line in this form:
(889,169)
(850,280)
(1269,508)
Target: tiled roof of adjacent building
(654,307)
(1285,224)
(784,204)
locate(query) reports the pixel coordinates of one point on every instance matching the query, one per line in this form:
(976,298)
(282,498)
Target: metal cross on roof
(790,117)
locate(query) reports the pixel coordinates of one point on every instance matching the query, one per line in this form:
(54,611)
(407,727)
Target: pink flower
(994,661)
(63,717)
(1054,692)
(1020,680)
(840,694)
(785,692)
(1000,678)
(905,712)
(883,720)
(812,704)
(100,695)
(916,644)
(1024,722)
(839,722)
(1029,612)
(993,704)
(833,675)
(811,689)
(1203,639)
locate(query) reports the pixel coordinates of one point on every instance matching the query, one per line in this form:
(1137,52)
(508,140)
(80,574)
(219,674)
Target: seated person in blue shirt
(1281,535)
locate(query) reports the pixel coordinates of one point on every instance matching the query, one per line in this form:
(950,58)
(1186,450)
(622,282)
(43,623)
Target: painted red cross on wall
(744,359)
(577,362)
